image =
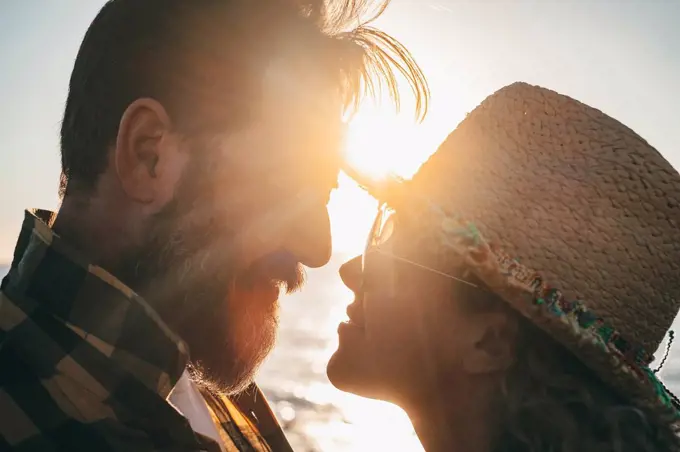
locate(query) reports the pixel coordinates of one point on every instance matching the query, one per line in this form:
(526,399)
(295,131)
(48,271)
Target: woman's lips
(350,328)
(355,313)
(353,329)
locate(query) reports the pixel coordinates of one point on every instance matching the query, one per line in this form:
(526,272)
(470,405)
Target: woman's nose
(350,273)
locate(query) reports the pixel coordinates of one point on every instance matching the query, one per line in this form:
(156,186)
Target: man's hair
(551,401)
(204,61)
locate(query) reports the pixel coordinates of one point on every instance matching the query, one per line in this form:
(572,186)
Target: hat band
(576,311)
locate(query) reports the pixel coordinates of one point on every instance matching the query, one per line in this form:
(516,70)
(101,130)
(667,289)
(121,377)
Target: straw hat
(570,217)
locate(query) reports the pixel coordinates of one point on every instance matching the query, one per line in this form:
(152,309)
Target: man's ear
(492,346)
(147,158)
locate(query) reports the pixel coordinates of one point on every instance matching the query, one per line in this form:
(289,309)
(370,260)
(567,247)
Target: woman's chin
(347,372)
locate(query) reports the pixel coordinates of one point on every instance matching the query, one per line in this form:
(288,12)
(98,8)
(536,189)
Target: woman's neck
(460,422)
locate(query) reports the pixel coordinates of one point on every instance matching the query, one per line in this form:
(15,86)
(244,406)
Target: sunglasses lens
(382,230)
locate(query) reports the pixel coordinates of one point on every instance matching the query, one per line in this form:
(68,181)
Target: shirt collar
(47,274)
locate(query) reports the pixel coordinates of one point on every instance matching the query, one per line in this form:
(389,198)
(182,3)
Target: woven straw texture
(571,193)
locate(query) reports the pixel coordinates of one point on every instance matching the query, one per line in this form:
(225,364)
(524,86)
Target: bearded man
(200,143)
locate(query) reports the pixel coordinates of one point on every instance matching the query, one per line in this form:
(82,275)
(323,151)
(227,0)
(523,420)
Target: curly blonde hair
(553,402)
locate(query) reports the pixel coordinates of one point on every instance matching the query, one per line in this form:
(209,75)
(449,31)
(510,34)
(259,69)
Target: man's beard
(187,271)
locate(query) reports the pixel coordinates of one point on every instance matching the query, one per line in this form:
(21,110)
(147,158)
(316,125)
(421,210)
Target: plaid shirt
(86,364)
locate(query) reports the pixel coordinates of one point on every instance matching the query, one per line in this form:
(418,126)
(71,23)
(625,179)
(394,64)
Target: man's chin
(227,350)
(259,300)
(267,293)
(233,370)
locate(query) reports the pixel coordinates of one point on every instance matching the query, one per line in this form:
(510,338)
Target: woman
(512,293)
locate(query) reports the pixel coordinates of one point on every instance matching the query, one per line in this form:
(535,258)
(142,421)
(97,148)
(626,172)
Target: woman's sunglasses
(384,226)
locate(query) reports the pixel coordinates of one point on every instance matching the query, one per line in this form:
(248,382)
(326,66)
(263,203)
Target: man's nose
(310,239)
(350,273)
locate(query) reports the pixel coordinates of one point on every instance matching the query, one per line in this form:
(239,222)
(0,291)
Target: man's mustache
(280,267)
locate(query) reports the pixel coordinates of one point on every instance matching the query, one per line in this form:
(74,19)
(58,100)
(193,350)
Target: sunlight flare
(379,144)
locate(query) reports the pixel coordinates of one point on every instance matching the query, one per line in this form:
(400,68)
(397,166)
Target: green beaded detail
(606,332)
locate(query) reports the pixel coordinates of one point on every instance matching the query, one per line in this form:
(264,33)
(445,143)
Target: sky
(622,57)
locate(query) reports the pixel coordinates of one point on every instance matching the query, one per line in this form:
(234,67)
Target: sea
(316,416)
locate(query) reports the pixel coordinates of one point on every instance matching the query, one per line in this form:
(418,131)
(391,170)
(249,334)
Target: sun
(378,144)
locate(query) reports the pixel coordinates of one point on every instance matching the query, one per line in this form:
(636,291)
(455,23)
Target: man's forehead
(302,89)
(300,121)
(307,107)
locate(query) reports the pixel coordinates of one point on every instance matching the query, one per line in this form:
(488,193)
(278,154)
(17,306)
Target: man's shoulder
(59,392)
